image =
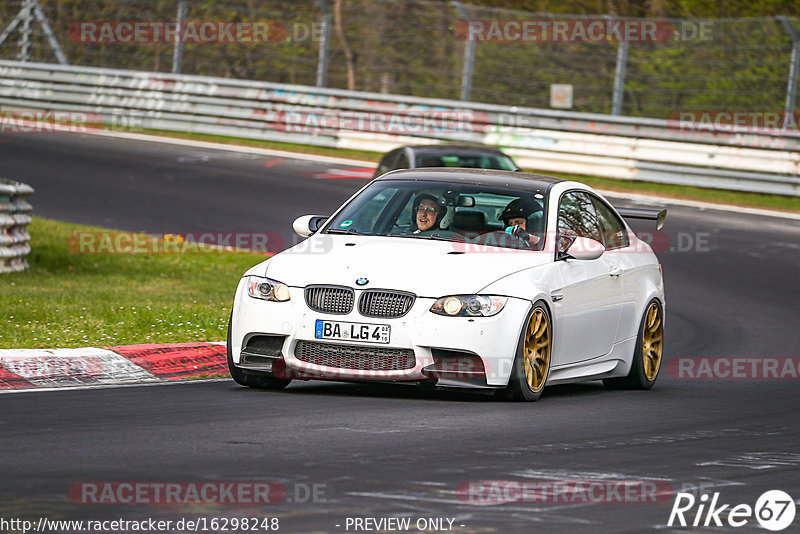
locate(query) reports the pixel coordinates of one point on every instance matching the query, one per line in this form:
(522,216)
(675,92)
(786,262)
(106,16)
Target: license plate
(367,333)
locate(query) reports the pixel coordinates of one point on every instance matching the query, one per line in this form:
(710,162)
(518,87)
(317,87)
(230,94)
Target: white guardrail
(546,140)
(14,218)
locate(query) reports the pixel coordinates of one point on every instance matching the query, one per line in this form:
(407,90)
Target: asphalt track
(381,450)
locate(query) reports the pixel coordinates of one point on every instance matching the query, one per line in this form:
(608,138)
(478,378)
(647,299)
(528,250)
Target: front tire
(648,354)
(248,378)
(532,361)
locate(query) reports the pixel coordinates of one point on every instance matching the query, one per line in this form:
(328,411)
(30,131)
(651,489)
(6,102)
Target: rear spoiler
(645,213)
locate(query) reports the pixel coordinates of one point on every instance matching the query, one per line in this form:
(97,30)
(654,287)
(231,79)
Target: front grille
(330,299)
(377,303)
(354,357)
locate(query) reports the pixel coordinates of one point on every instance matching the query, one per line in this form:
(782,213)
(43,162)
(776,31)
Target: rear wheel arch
(648,353)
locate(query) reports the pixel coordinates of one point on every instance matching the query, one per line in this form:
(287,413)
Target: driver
(428,212)
(515,220)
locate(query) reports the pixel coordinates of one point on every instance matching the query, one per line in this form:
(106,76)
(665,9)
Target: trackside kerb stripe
(345,174)
(70,367)
(177,360)
(9,380)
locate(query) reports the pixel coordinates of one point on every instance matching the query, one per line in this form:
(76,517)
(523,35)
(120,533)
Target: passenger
(427,213)
(515,220)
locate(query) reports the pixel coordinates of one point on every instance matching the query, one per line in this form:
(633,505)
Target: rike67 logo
(774,510)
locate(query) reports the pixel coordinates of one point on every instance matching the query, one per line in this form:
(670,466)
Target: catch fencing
(432,49)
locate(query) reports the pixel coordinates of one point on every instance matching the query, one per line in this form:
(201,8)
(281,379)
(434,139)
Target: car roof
(513,179)
(454,149)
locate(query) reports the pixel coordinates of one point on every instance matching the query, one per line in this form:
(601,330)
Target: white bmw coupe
(457,277)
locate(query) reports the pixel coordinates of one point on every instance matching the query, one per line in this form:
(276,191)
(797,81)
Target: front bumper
(492,339)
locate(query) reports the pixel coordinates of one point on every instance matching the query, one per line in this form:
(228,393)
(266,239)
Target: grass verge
(68,299)
(719,196)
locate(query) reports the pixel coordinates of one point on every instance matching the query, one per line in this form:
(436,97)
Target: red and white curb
(356,173)
(92,366)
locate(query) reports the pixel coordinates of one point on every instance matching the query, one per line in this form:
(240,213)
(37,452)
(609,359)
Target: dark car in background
(445,155)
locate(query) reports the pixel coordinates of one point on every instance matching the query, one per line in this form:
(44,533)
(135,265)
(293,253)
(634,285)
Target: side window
(402,161)
(613,229)
(577,216)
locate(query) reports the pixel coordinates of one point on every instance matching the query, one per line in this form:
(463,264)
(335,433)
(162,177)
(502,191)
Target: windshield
(472,161)
(446,211)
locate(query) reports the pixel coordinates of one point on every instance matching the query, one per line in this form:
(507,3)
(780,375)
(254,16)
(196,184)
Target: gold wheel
(537,350)
(652,342)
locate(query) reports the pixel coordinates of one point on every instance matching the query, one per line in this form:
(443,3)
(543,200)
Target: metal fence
(419,48)
(78,99)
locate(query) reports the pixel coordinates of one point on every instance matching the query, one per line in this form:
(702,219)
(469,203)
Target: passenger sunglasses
(423,209)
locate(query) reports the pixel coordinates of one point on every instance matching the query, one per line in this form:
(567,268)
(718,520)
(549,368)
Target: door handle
(615,272)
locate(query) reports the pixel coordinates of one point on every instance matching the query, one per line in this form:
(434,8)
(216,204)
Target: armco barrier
(14,217)
(546,140)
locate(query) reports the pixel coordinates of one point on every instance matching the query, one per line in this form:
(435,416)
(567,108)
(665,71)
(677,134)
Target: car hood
(425,267)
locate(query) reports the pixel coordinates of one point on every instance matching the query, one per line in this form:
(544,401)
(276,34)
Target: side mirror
(584,248)
(308,224)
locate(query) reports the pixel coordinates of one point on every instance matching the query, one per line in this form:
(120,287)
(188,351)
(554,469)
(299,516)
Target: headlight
(469,306)
(266,289)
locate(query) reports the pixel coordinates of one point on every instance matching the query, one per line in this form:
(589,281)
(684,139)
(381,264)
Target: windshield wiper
(440,237)
(349,231)
(436,237)
(417,236)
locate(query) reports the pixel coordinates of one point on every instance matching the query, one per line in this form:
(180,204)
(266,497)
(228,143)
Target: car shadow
(387,391)
(413,392)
